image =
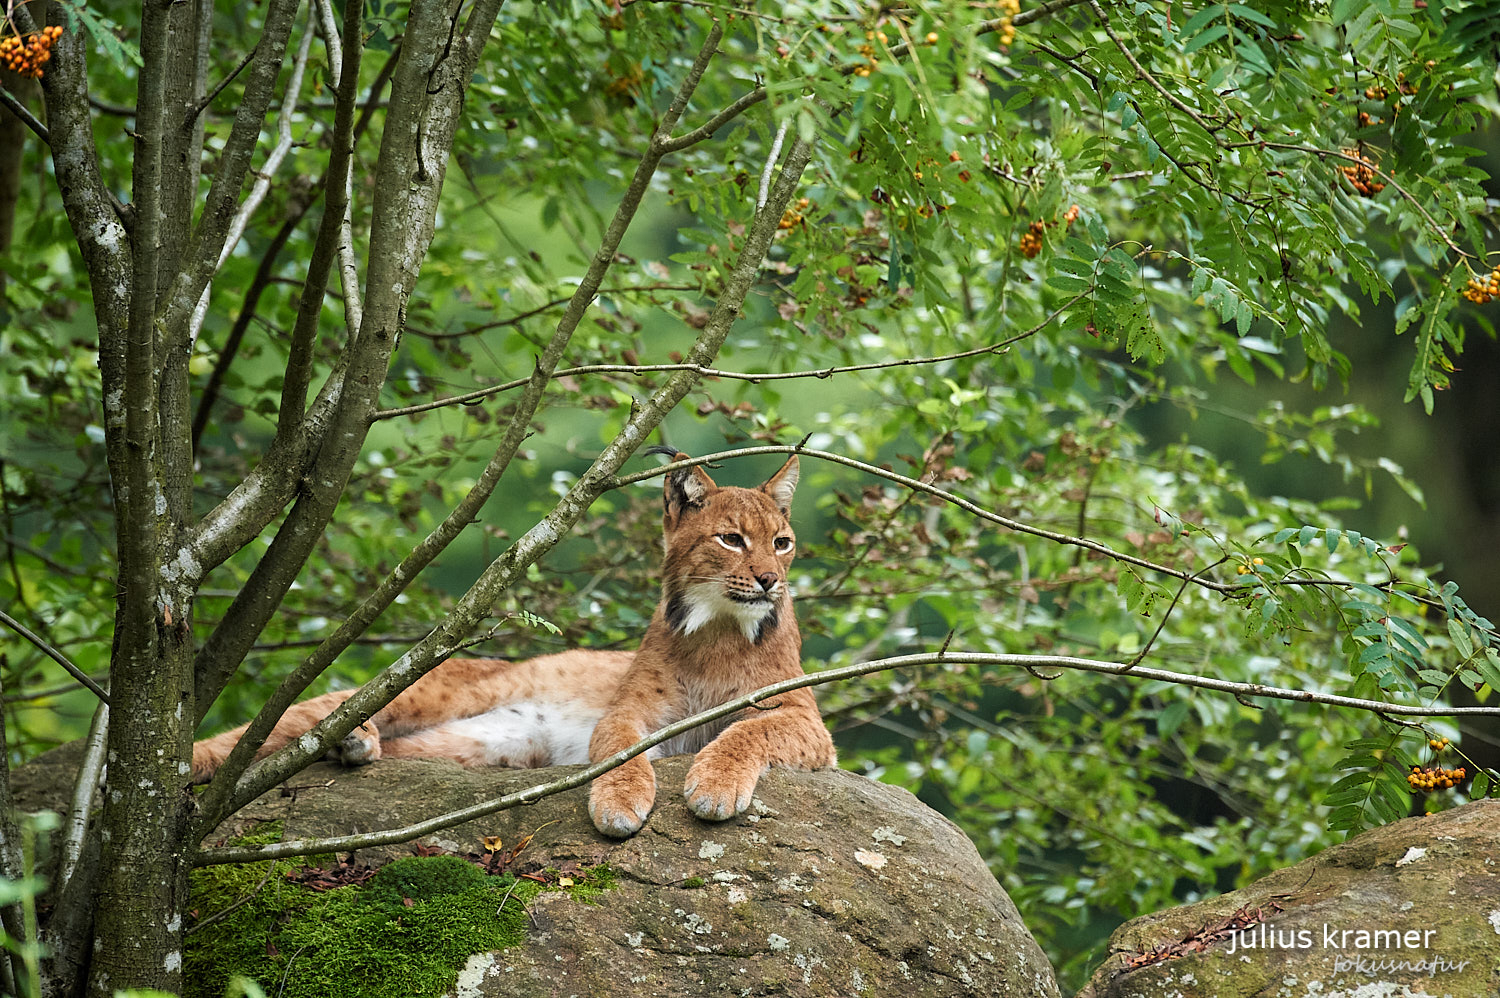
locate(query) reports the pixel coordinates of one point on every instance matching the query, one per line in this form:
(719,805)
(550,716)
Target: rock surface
(830,885)
(1425,893)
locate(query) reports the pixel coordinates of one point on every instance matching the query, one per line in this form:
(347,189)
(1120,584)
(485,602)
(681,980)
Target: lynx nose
(767,580)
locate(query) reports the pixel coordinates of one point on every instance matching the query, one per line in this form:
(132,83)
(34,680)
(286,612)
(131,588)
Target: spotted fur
(723,628)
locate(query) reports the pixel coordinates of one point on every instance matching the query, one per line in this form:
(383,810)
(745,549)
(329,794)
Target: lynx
(723,628)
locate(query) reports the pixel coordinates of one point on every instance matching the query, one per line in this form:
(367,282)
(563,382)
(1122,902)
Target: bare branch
(718,121)
(262,185)
(201,257)
(1031,663)
(520,317)
(89,771)
(775,154)
(967,505)
(213,94)
(18,109)
(54,654)
(754,377)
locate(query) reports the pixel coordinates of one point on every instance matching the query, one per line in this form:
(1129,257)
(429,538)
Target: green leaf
(1480,785)
(1171,718)
(1459,634)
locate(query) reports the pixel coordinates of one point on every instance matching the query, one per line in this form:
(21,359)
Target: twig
(518,318)
(754,377)
(18,109)
(354,310)
(530,795)
(89,772)
(262,185)
(1387,177)
(1145,74)
(54,654)
(771,158)
(952,498)
(213,94)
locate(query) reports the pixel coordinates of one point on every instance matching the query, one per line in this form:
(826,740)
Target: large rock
(1411,908)
(830,885)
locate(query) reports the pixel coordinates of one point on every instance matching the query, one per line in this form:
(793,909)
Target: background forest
(1154,335)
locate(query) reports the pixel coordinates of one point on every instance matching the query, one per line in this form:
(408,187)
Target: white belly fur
(543,734)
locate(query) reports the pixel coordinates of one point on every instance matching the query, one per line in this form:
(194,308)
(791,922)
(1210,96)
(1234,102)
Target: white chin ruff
(706,602)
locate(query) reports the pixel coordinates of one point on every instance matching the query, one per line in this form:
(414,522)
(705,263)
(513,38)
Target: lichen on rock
(1410,908)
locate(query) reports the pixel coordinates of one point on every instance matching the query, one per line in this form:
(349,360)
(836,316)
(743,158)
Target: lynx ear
(782,485)
(685,489)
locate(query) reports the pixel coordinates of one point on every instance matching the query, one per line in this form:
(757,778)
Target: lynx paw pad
(618,823)
(620,801)
(720,796)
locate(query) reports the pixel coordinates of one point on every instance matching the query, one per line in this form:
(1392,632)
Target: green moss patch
(403,934)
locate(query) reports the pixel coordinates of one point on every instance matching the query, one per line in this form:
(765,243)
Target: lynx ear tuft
(685,489)
(782,486)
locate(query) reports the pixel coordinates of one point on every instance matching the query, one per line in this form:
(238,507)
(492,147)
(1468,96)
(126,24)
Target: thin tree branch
(201,257)
(1143,73)
(264,276)
(262,185)
(54,654)
(754,377)
(354,311)
(950,497)
(1358,161)
(706,130)
(520,317)
(765,175)
(18,109)
(213,94)
(89,772)
(1030,663)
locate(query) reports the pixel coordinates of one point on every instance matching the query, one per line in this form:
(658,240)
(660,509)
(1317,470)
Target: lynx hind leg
(360,746)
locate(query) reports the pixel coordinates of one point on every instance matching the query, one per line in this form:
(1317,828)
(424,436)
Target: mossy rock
(405,933)
(829,885)
(422,878)
(1408,909)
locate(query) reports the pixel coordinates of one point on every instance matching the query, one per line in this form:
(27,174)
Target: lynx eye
(733,542)
(783,545)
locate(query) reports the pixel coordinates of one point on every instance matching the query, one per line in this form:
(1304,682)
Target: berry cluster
(1481,291)
(1243,569)
(27,56)
(792,217)
(1435,778)
(1031,239)
(1361,175)
(1007,30)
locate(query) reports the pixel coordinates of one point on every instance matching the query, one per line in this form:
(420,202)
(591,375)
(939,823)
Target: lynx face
(728,552)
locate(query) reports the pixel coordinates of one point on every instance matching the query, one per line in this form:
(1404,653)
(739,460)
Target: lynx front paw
(716,791)
(620,800)
(360,746)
